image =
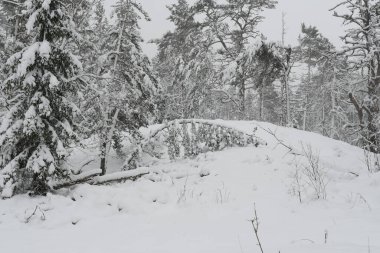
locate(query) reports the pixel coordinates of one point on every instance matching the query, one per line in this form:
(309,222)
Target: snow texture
(205,204)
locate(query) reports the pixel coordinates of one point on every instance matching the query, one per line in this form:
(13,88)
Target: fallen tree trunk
(94,177)
(77,179)
(121,176)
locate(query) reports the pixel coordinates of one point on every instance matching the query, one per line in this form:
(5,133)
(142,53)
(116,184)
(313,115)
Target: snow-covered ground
(205,204)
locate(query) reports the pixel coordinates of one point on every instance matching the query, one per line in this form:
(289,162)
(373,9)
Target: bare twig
(281,142)
(182,194)
(42,217)
(255,225)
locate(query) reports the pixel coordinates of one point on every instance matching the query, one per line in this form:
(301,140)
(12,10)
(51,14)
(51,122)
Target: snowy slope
(205,204)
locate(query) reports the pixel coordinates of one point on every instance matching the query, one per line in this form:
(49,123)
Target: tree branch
(11,2)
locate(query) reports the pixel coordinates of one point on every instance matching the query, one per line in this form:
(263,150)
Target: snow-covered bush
(189,138)
(314,173)
(309,176)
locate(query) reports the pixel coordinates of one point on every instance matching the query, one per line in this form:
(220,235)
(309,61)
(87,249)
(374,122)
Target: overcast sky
(312,12)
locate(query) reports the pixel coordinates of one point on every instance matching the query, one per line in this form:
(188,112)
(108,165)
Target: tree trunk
(307,97)
(305,116)
(105,145)
(103,155)
(372,105)
(261,104)
(287,67)
(242,102)
(288,115)
(333,105)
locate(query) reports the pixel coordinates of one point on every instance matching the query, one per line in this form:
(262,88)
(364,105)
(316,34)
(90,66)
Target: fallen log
(121,176)
(93,177)
(77,179)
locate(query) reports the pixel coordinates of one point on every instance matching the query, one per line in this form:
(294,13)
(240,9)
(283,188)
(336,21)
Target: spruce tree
(36,132)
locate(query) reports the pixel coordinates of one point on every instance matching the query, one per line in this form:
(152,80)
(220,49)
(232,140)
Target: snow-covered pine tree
(84,15)
(36,133)
(185,65)
(234,27)
(262,64)
(96,65)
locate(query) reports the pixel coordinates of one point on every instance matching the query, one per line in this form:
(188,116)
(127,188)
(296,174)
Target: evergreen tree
(184,65)
(234,27)
(313,48)
(36,133)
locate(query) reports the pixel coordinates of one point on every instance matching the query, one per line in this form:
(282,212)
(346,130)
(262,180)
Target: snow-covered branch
(12,2)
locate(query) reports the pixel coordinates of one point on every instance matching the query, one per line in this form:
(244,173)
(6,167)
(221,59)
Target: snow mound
(205,204)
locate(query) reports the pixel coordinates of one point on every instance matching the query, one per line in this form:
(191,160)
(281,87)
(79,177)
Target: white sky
(312,12)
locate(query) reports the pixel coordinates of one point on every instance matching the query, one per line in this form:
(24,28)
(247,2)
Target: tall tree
(234,25)
(36,133)
(363,48)
(123,95)
(313,47)
(185,65)
(288,57)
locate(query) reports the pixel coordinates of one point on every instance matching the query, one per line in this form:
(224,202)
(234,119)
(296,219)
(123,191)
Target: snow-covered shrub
(189,138)
(309,176)
(314,173)
(193,138)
